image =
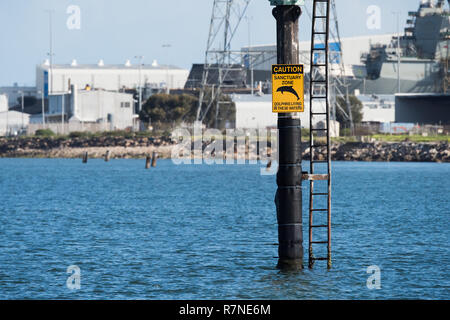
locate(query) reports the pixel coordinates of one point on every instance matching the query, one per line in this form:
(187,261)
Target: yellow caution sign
(287,88)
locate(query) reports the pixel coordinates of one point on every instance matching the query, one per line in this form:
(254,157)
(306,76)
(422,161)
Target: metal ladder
(319,47)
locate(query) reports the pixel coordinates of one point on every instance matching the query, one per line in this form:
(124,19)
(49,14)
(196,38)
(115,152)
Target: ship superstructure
(418,60)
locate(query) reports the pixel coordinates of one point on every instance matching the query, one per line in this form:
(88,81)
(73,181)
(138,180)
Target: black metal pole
(289,177)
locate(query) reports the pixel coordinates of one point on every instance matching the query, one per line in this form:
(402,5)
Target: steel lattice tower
(219,58)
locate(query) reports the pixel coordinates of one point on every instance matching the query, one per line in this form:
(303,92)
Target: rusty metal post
(289,177)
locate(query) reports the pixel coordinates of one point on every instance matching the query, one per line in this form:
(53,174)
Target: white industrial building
(102,106)
(378,108)
(96,110)
(255,112)
(59,77)
(352,49)
(11,122)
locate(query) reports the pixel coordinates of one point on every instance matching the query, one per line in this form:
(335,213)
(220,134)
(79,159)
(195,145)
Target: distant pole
(167,79)
(167,69)
(7,118)
(23,107)
(50,12)
(288,198)
(62,114)
(43,109)
(140,81)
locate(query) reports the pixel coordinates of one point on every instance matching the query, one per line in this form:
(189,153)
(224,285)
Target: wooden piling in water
(269,165)
(154,158)
(147,162)
(107,156)
(85,157)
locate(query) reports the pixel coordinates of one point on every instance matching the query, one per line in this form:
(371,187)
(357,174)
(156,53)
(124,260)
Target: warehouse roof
(110,66)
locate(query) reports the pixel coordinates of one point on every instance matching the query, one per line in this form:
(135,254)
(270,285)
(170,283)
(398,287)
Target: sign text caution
(287,88)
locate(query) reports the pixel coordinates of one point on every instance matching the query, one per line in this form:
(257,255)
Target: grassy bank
(396,138)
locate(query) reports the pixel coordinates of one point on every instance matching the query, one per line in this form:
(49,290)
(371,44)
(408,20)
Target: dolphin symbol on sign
(289,89)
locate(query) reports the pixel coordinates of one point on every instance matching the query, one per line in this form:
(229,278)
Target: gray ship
(421,54)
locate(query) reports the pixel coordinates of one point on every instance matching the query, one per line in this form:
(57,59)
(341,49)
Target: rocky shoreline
(119,147)
(387,152)
(139,147)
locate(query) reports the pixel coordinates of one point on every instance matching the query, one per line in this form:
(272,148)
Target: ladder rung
(319,90)
(314,177)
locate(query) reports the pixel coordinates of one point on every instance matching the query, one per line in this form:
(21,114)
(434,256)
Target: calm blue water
(193,232)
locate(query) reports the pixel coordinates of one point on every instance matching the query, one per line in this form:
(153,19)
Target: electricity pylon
(220,61)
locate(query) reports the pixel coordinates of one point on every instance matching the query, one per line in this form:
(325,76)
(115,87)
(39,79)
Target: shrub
(172,109)
(79,134)
(44,133)
(119,133)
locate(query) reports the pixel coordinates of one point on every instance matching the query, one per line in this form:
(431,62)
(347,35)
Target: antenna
(50,53)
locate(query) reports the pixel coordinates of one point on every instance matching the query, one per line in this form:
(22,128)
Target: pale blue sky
(116,30)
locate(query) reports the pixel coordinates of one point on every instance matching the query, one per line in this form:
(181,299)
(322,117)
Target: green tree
(225,113)
(44,133)
(168,109)
(171,109)
(356,107)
